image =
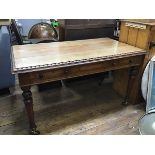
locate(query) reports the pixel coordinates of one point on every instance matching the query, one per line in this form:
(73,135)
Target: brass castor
(34,132)
(125,102)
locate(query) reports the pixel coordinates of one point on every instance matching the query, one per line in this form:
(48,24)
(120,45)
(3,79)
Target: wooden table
(44,62)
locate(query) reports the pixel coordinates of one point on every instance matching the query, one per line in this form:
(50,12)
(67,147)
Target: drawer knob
(66,71)
(114,63)
(130,61)
(40,76)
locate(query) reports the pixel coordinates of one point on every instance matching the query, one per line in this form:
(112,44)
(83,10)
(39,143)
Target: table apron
(43,76)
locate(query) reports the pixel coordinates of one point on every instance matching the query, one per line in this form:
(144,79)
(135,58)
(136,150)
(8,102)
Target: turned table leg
(132,74)
(28,101)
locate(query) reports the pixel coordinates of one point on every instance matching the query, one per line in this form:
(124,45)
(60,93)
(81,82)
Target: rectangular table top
(34,57)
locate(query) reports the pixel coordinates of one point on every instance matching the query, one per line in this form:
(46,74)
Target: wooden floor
(82,107)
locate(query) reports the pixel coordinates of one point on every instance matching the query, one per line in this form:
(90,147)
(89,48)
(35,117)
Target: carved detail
(74,62)
(28,101)
(33,131)
(27,95)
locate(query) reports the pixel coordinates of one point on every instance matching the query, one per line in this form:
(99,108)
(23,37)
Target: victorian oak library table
(46,62)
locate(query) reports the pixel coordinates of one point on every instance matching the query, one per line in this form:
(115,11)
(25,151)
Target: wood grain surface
(32,57)
(43,76)
(78,108)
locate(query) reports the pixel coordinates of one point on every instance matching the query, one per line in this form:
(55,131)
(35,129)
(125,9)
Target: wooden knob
(40,76)
(66,71)
(130,61)
(114,63)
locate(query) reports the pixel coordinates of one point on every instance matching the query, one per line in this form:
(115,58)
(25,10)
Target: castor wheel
(101,82)
(34,132)
(125,102)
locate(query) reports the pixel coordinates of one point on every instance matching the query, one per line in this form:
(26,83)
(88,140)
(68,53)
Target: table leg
(28,101)
(132,74)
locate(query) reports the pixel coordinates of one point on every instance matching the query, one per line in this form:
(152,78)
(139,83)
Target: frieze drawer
(79,70)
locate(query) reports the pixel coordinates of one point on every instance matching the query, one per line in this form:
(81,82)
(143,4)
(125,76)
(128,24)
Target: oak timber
(40,63)
(44,56)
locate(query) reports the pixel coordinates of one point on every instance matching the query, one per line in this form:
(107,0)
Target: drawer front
(80,70)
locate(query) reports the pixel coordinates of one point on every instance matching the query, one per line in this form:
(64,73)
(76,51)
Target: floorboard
(78,108)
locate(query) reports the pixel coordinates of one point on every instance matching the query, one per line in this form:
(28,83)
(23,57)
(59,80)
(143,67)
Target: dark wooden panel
(77,34)
(75,29)
(88,23)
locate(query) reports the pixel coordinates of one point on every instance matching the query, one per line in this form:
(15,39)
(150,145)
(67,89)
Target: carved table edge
(71,63)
